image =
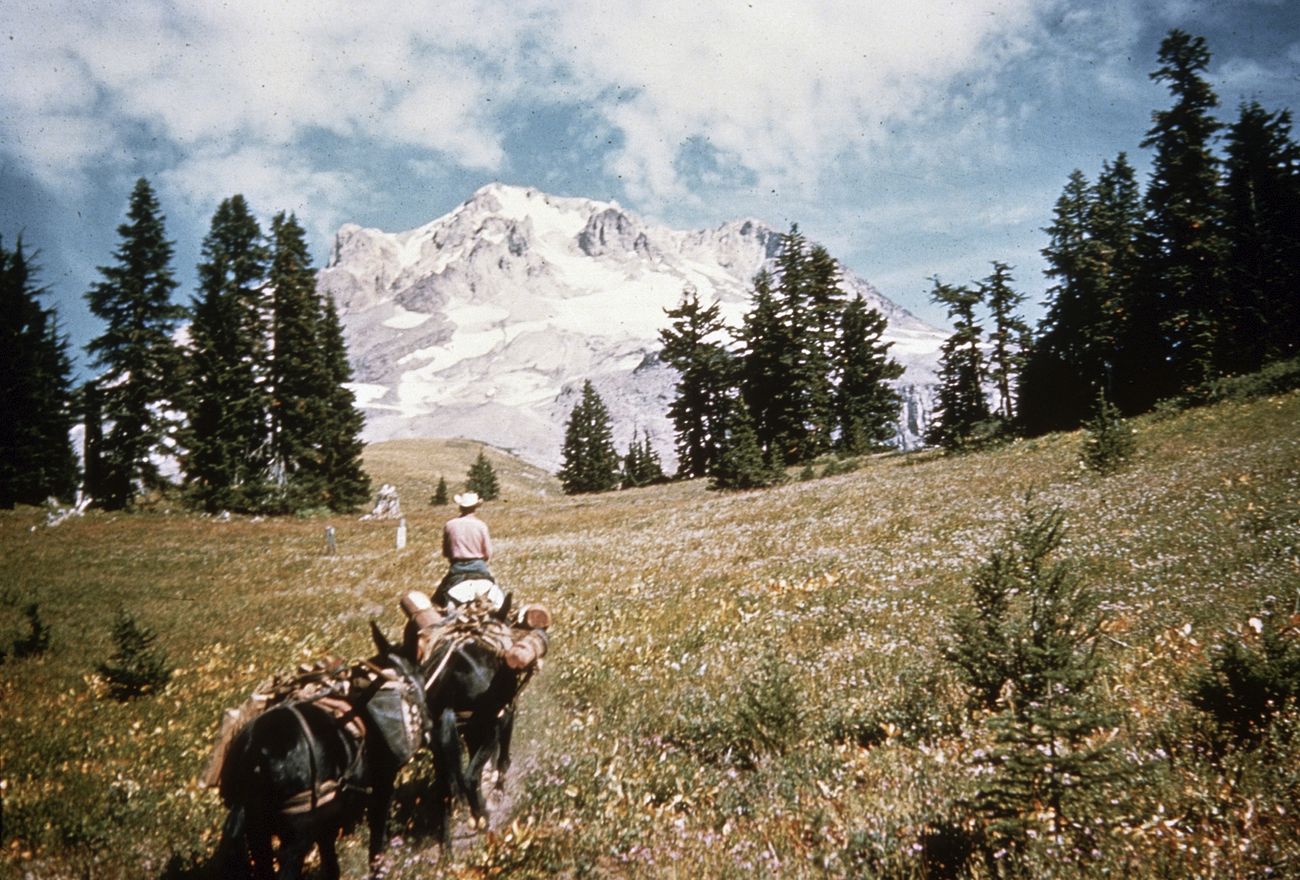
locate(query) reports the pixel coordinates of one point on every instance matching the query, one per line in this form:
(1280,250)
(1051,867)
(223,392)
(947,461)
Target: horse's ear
(381,642)
(411,641)
(503,613)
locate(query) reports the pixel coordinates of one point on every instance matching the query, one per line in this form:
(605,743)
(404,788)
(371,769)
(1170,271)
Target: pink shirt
(466,537)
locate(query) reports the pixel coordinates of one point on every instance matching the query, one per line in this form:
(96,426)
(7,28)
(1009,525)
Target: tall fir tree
(1054,389)
(1116,342)
(1262,195)
(299,381)
(229,438)
(767,362)
(803,385)
(692,345)
(866,407)
(1186,248)
(340,443)
(960,405)
(1008,338)
(591,463)
(36,456)
(1098,331)
(482,478)
(822,307)
(138,391)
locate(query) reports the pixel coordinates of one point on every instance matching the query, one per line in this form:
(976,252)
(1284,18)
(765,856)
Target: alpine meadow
(546,539)
(749,684)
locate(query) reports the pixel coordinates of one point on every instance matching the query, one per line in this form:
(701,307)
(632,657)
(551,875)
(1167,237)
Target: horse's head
(401,666)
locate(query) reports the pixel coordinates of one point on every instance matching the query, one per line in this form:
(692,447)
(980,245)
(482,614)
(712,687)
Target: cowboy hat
(469,500)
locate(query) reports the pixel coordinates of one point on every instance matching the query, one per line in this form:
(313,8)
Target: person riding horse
(467,546)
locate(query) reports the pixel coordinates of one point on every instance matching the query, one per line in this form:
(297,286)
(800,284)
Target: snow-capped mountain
(485,322)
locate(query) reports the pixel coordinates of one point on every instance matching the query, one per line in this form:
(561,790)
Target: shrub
(37,640)
(764,717)
(137,667)
(1108,440)
(1276,378)
(1252,676)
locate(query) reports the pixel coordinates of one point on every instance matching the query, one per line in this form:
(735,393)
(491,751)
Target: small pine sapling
(1026,648)
(37,640)
(1108,439)
(1252,676)
(440,493)
(138,666)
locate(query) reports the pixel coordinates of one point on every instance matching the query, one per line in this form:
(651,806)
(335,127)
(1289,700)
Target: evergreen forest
(245,411)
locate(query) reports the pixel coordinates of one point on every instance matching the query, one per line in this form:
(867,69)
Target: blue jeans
(462,567)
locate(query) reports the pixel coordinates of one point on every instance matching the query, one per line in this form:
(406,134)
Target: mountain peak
(482,322)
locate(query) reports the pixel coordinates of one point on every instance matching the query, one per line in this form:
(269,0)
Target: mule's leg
(232,852)
(293,852)
(448,777)
(259,847)
(482,741)
(329,857)
(505,730)
(381,800)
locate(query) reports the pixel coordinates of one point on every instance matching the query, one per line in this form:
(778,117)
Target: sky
(911,139)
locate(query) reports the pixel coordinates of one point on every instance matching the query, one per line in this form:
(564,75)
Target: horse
(304,771)
(470,692)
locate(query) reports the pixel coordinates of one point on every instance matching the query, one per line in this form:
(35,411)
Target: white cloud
(270,182)
(781,88)
(222,77)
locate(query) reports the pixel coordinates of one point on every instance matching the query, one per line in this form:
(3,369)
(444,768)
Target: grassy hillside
(738,685)
(414,466)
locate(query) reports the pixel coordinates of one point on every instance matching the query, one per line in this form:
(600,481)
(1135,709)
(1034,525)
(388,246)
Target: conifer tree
(1186,246)
(299,381)
(138,391)
(1053,390)
(1262,193)
(641,464)
(960,405)
(691,345)
(36,457)
(1009,336)
(482,478)
(822,307)
(741,464)
(1099,330)
(590,460)
(1117,334)
(801,387)
(866,406)
(138,666)
(1108,440)
(340,441)
(440,496)
(1026,647)
(765,366)
(229,439)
